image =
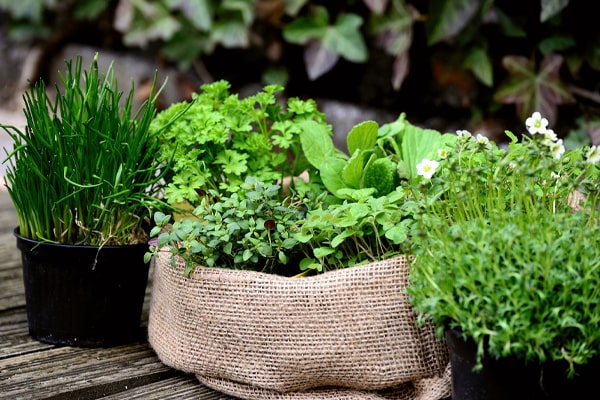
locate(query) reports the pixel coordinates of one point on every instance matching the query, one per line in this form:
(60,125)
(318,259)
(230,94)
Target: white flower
(442,154)
(536,123)
(593,155)
(426,168)
(557,149)
(463,134)
(482,141)
(550,135)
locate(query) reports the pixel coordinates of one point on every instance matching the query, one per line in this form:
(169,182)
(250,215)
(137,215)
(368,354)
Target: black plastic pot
(82,296)
(511,379)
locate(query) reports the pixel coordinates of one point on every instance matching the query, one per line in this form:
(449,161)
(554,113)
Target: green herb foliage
(220,139)
(520,284)
(252,229)
(350,233)
(84,171)
(507,245)
(380,157)
(371,214)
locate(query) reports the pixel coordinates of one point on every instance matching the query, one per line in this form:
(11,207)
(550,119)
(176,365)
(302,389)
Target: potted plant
(246,298)
(507,267)
(83,178)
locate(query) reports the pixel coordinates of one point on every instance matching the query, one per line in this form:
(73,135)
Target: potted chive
(83,179)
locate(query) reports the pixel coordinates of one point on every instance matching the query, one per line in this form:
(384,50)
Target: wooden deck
(33,370)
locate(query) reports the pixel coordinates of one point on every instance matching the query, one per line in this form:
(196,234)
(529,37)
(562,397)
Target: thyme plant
(84,169)
(509,245)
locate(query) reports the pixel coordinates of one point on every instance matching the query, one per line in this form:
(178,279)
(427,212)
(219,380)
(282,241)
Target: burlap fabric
(345,334)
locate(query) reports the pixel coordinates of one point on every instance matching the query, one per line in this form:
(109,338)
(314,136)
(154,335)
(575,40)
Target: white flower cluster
(536,125)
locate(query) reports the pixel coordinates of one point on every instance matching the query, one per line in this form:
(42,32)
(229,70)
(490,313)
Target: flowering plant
(509,245)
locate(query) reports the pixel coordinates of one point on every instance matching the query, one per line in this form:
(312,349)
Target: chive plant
(84,171)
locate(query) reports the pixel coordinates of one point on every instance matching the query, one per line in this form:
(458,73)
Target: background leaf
(318,60)
(345,39)
(448,18)
(530,91)
(551,7)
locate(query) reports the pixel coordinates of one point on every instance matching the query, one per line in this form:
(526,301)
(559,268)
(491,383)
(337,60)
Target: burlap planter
(345,334)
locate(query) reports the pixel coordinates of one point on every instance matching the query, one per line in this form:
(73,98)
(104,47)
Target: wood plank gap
(106,389)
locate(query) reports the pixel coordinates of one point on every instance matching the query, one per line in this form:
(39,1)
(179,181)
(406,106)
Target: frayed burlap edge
(352,330)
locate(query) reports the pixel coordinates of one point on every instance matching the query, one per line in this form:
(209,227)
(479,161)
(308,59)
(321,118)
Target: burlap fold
(348,333)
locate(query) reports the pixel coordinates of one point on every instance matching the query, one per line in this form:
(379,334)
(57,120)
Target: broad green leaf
(29,9)
(394,29)
(90,9)
(321,252)
(480,64)
(448,18)
(353,170)
(358,211)
(345,38)
(309,264)
(331,174)
(244,7)
(381,175)
(317,143)
(556,44)
(362,136)
(198,12)
(292,7)
(550,8)
(397,234)
(340,238)
(355,194)
(418,143)
(230,34)
(303,29)
(163,28)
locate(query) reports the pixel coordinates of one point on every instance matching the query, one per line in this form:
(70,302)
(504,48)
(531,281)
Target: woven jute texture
(344,334)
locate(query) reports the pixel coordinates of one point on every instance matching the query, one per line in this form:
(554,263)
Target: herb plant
(379,156)
(250,229)
(509,249)
(218,140)
(352,210)
(371,214)
(83,171)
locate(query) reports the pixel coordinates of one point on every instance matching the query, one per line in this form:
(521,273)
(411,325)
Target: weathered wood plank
(182,387)
(31,370)
(63,370)
(12,292)
(14,335)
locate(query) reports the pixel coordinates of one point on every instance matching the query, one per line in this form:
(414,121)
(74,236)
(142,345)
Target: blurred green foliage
(494,54)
